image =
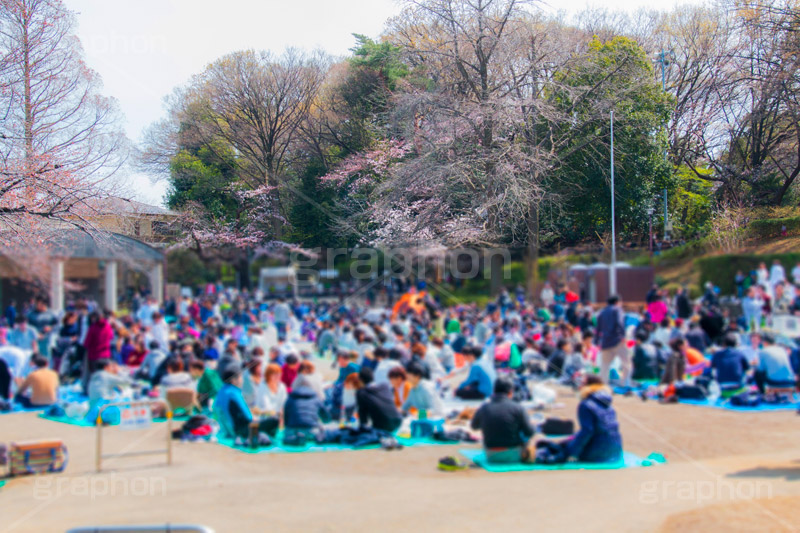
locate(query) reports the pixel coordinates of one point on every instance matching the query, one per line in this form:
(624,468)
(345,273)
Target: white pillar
(110,286)
(57,285)
(156,276)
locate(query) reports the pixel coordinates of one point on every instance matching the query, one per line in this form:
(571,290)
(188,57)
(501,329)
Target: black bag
(551,453)
(690,392)
(746,399)
(557,427)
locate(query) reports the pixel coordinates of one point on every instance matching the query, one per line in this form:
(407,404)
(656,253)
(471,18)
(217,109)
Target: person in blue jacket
(730,365)
(599,439)
(304,410)
(478,384)
(232,412)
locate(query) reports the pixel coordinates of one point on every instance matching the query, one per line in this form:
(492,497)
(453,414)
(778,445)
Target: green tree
(621,76)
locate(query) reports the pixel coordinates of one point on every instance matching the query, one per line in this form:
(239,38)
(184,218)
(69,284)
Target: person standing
(280,315)
(777,274)
(98,340)
(547,295)
(683,304)
(611,333)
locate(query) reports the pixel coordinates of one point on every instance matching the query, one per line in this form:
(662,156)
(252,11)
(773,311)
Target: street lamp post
(612,271)
(650,212)
(664,58)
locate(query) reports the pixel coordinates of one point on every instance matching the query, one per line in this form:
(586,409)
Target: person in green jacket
(208,382)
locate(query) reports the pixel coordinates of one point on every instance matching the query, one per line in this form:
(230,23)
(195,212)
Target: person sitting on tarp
(422,396)
(730,366)
(105,382)
(774,366)
(5,381)
(375,404)
(645,359)
(505,425)
(598,440)
(303,412)
(43,384)
(478,384)
(232,412)
(208,382)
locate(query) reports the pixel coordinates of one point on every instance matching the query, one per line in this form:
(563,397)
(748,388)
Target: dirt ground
(726,471)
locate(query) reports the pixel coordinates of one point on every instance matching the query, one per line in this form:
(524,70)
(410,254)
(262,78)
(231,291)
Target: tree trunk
(532,252)
(495,274)
(243,270)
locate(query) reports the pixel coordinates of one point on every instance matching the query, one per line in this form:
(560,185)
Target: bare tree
(60,143)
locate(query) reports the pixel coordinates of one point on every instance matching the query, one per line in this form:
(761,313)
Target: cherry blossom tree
(60,141)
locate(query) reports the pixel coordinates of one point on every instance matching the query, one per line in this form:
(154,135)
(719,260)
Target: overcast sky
(144,48)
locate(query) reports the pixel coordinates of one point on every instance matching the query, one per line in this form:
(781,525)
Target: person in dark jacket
(730,365)
(505,425)
(5,381)
(375,403)
(713,323)
(683,305)
(645,359)
(598,440)
(697,338)
(611,334)
(303,410)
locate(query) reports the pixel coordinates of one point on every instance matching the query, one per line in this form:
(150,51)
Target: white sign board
(786,325)
(138,417)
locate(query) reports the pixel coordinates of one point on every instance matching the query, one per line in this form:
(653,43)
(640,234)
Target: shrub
(721,269)
(770,228)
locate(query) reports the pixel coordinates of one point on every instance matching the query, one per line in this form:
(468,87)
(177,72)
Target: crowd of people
(260,365)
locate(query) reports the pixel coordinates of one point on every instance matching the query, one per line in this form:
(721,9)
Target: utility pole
(612,271)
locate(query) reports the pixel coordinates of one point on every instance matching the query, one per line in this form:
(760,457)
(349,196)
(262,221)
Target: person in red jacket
(98,340)
(289,371)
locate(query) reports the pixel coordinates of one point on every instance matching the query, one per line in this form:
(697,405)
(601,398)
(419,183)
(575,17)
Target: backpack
(690,392)
(557,427)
